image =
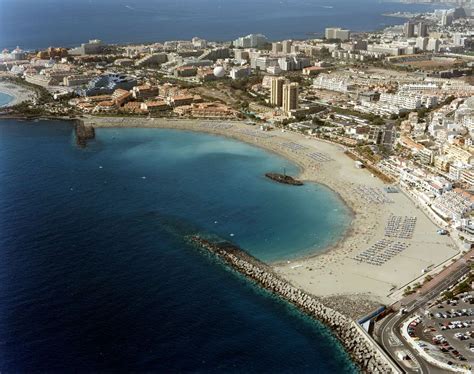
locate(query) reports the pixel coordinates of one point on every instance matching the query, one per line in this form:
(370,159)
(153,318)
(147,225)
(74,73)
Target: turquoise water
(95,274)
(5,99)
(185,174)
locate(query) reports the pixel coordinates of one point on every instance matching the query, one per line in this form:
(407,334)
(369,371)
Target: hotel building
(276,91)
(290,97)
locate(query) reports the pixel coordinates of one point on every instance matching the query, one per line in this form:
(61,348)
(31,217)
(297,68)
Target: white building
(325,82)
(240,72)
(422,43)
(453,205)
(385,49)
(291,63)
(337,33)
(433,45)
(401,101)
(199,43)
(251,41)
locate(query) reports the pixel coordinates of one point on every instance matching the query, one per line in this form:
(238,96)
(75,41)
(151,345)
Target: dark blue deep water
(95,274)
(42,23)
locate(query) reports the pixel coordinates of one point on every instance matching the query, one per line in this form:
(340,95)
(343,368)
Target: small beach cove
(13,94)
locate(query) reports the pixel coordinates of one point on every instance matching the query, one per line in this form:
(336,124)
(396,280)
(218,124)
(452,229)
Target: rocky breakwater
(362,349)
(84,132)
(285,179)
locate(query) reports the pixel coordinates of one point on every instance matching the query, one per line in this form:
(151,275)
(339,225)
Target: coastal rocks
(363,351)
(83,133)
(352,306)
(285,179)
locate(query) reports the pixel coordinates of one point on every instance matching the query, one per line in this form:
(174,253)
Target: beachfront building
(206,110)
(276,91)
(453,205)
(290,97)
(180,100)
(465,226)
(104,107)
(154,106)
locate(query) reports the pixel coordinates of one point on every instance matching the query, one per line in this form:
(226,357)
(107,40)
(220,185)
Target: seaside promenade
(390,241)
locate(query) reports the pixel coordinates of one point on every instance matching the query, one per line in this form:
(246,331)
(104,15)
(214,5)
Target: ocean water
(5,99)
(42,23)
(95,273)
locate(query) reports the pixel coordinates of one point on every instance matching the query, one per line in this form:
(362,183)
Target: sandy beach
(335,275)
(19,94)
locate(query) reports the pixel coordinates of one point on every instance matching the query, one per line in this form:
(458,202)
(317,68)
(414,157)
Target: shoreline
(19,94)
(333,273)
(364,352)
(342,283)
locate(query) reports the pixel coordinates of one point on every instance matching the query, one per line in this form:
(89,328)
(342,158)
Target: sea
(96,273)
(34,24)
(5,99)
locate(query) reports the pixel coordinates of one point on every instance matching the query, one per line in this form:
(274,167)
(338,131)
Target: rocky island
(285,179)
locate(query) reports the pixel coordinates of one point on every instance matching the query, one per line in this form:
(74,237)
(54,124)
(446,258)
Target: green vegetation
(408,291)
(465,285)
(448,295)
(323,53)
(372,118)
(245,83)
(318,122)
(28,110)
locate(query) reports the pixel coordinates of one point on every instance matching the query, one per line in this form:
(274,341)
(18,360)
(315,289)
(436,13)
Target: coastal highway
(389,332)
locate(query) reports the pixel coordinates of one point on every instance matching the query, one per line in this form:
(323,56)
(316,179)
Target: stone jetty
(363,350)
(84,132)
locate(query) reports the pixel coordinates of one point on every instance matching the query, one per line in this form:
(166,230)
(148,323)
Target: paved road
(389,135)
(389,332)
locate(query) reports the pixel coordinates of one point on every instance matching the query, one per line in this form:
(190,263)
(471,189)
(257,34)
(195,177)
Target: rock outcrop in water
(285,179)
(362,349)
(83,133)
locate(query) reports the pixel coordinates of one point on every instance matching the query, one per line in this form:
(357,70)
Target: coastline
(345,284)
(351,287)
(18,93)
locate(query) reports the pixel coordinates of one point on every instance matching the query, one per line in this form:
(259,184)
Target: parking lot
(446,330)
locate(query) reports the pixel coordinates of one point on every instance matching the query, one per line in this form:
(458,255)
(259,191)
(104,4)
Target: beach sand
(20,94)
(348,285)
